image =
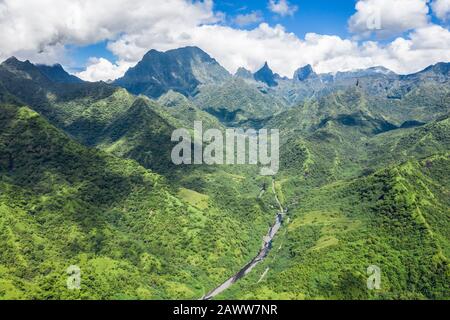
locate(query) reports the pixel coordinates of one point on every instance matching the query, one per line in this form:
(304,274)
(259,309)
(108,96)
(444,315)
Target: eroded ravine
(262,254)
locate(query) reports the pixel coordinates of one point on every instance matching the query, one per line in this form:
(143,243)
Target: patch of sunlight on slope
(331,223)
(194,198)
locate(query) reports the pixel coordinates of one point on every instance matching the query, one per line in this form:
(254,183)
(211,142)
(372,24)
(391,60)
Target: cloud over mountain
(103,69)
(169,24)
(83,22)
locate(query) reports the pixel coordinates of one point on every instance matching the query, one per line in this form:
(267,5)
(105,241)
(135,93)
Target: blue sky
(101,39)
(79,55)
(318,16)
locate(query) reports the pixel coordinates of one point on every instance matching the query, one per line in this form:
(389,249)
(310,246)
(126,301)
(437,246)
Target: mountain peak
(14,62)
(380,69)
(56,73)
(377,71)
(304,73)
(25,70)
(266,75)
(10,60)
(187,52)
(181,70)
(438,68)
(243,73)
(193,49)
(53,73)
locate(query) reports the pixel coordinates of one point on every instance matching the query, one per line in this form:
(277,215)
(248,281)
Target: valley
(87,179)
(262,254)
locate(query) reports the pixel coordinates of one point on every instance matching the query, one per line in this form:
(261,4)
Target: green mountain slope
(400,145)
(236,102)
(396,219)
(78,108)
(186,112)
(425,103)
(86,179)
(141,134)
(63,204)
(97,114)
(354,145)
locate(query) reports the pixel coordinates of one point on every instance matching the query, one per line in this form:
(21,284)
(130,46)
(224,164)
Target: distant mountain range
(193,73)
(184,70)
(247,99)
(187,70)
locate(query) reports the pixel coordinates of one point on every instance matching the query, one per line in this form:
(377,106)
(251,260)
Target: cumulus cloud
(102,69)
(282,7)
(82,22)
(442,9)
(386,18)
(285,52)
(248,19)
(423,47)
(169,24)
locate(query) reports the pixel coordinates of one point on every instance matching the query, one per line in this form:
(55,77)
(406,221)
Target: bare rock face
(181,70)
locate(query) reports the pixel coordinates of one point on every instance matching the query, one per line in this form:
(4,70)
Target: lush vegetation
(63,204)
(396,219)
(86,179)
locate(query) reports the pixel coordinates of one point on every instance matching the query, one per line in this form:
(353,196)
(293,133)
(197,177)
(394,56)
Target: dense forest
(86,180)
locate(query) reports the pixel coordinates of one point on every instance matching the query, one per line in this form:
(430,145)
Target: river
(262,254)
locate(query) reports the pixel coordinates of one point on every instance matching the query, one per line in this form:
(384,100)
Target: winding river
(262,254)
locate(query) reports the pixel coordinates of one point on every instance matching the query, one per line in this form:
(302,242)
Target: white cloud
(102,69)
(387,18)
(442,9)
(248,19)
(282,7)
(422,47)
(285,52)
(169,24)
(27,26)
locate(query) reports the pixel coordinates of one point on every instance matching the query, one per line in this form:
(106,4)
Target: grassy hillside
(353,145)
(236,102)
(396,219)
(64,204)
(424,103)
(186,112)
